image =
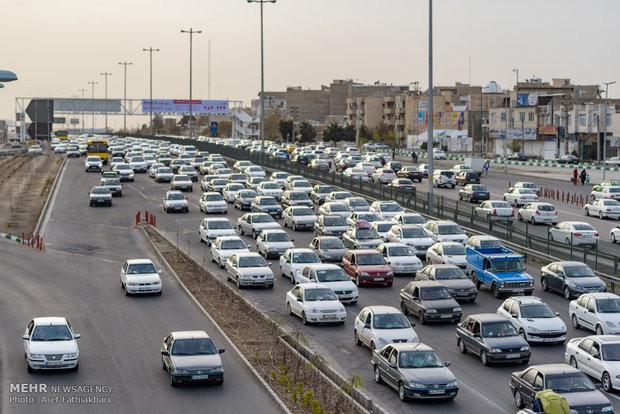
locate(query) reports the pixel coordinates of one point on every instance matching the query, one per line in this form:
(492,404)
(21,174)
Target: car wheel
(567,240)
(575,322)
(484,359)
(294,227)
(460,197)
(474,279)
(239,283)
(461,346)
(543,284)
(372,347)
(519,218)
(613,238)
(288,308)
(599,330)
(403,308)
(422,318)
(606,380)
(304,320)
(356,339)
(378,379)
(518,399)
(533,220)
(600,214)
(240,231)
(587,211)
(30,369)
(495,290)
(522,333)
(254,234)
(401,392)
(173,382)
(567,294)
(573,362)
(357,281)
(76,367)
(126,292)
(285,225)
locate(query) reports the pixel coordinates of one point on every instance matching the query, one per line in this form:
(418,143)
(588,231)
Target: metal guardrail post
(571,246)
(548,235)
(471,217)
(596,256)
(456,211)
(527,239)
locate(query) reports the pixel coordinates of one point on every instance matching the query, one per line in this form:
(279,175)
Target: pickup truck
(498,268)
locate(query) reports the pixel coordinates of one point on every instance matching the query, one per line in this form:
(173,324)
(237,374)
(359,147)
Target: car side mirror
(160,271)
(367,325)
(299,299)
(596,356)
(557,314)
(598,385)
(221,351)
(292,240)
(25,337)
(524,267)
(165,353)
(591,310)
(77,336)
(513,315)
(448,363)
(392,365)
(269,263)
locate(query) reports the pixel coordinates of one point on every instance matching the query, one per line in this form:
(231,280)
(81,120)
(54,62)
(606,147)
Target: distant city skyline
(56,48)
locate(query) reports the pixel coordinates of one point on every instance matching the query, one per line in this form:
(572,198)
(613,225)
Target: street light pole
(151,50)
(105,106)
(82,109)
(262,72)
(605,126)
(125,95)
(430,112)
(92,102)
(191,36)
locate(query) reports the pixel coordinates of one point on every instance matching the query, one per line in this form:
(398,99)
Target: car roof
(551,369)
(248,254)
(139,261)
(488,317)
(603,295)
(392,244)
(426,283)
(444,265)
(449,243)
(174,192)
(411,346)
(312,286)
(323,266)
(50,320)
(230,237)
(189,334)
(381,309)
(483,237)
(569,263)
(365,251)
(606,338)
(526,299)
(300,250)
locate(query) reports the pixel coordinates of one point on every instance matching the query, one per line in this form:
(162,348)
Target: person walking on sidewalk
(583,176)
(486,168)
(575,175)
(414,157)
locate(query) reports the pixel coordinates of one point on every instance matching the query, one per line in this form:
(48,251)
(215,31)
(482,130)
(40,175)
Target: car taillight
(513,211)
(608,209)
(595,234)
(555,213)
(494,211)
(537,213)
(473,193)
(523,198)
(577,234)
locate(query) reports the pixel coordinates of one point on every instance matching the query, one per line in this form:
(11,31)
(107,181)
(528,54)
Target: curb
(10,237)
(49,197)
(247,364)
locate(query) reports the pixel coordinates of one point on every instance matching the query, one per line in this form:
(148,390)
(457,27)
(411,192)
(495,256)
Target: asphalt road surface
(482,389)
(78,277)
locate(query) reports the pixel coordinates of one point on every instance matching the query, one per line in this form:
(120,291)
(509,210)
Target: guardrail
(520,235)
(8,153)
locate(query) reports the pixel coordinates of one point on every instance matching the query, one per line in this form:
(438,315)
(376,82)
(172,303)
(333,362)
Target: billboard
(181,106)
(527,99)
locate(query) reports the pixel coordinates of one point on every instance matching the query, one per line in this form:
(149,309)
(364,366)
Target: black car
(410,172)
(394,165)
(404,184)
(467,177)
(581,394)
(474,192)
(429,301)
(567,159)
(319,192)
(493,338)
(519,156)
(266,204)
(330,249)
(571,279)
(303,159)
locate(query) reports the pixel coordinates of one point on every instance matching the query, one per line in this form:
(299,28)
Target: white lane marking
(52,202)
(497,408)
(90,256)
(612,395)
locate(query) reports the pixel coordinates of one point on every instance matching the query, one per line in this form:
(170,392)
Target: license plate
(100,200)
(377,279)
(445,316)
(513,355)
(330,316)
(549,339)
(199,377)
(436,392)
(53,363)
(462,294)
(518,290)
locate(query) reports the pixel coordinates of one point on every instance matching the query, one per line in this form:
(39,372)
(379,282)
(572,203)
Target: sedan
(598,357)
(412,235)
(520,196)
(315,303)
(319,193)
(163,175)
(100,195)
(355,173)
(378,326)
(181,183)
(175,201)
(299,218)
(603,208)
(243,199)
(223,247)
(574,232)
(267,204)
(230,190)
(386,210)
(337,208)
(191,357)
(614,234)
(114,184)
(570,278)
(533,319)
(294,260)
(411,172)
(613,162)
(401,258)
(334,277)
(330,225)
(464,177)
(270,188)
(597,311)
(567,159)
(328,248)
(357,204)
(49,343)
(404,184)
(453,278)
(273,243)
(474,192)
(93,163)
(383,175)
(254,223)
(217,184)
(213,202)
(249,269)
(415,371)
(429,301)
(447,253)
(495,210)
(538,213)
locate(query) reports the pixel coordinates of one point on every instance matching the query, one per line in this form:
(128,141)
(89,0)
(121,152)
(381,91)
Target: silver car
(249,269)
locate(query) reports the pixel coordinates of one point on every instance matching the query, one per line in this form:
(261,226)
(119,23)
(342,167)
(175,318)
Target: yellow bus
(98,146)
(62,134)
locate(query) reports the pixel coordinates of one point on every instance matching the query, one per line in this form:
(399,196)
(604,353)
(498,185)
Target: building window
(569,119)
(608,119)
(582,119)
(556,119)
(493,118)
(530,116)
(522,116)
(503,117)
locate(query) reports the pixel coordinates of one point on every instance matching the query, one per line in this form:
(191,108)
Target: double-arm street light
(125,95)
(151,50)
(191,34)
(605,125)
(105,105)
(92,102)
(430,111)
(262,72)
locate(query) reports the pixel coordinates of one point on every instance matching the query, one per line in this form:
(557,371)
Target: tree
(383,131)
(224,129)
(307,132)
(333,132)
(365,132)
(515,146)
(271,126)
(286,129)
(348,133)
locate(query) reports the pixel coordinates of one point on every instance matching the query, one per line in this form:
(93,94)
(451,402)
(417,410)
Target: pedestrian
(575,175)
(393,153)
(414,157)
(583,176)
(486,168)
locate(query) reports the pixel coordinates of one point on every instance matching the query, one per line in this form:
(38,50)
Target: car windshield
(336,207)
(611,203)
(122,167)
(112,182)
(299,196)
(306,257)
(93,159)
(450,229)
(51,333)
(299,184)
(526,191)
(400,251)
(215,197)
(507,266)
(437,293)
(278,237)
(366,234)
(498,329)
(370,259)
(334,221)
(320,294)
(583,226)
(252,261)
(454,250)
(370,217)
(176,196)
(201,346)
(611,352)
(219,225)
(414,233)
(182,178)
(611,305)
(500,204)
(478,188)
(578,271)
(100,190)
(614,189)
(332,244)
(233,245)
(324,189)
(141,268)
(302,212)
(391,207)
(342,196)
(233,188)
(332,275)
(390,321)
(404,181)
(358,202)
(546,207)
(268,201)
(262,218)
(537,310)
(449,273)
(570,383)
(419,359)
(271,186)
(248,194)
(219,182)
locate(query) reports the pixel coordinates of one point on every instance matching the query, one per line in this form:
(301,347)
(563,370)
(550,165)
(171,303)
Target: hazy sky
(57,47)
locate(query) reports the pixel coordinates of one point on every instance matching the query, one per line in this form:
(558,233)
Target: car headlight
(457,309)
(532,282)
(355,292)
(431,311)
(453,384)
(610,324)
(364,274)
(503,283)
(314,310)
(181,371)
(131,284)
(416,385)
(525,348)
(390,274)
(604,409)
(215,369)
(494,350)
(71,355)
(573,412)
(36,356)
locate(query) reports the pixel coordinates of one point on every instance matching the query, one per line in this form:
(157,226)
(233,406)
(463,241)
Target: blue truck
(498,268)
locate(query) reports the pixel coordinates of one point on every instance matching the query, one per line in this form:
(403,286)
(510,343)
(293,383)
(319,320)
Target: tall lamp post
(262,72)
(151,50)
(191,35)
(92,85)
(105,106)
(125,94)
(605,126)
(430,113)
(82,108)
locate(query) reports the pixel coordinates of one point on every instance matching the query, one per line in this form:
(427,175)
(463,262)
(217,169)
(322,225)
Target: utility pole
(605,125)
(82,109)
(151,50)
(506,135)
(125,95)
(209,75)
(357,121)
(105,106)
(92,85)
(191,35)
(430,112)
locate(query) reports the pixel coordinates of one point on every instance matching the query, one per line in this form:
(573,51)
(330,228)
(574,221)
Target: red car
(367,267)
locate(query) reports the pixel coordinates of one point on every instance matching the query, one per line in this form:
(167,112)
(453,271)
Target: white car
(254,223)
(461,167)
(447,253)
(140,276)
(60,149)
(293,261)
(291,179)
(596,311)
(574,232)
(315,303)
(495,210)
(383,175)
(212,228)
(175,201)
(374,160)
(598,357)
(236,178)
(401,258)
(335,208)
(520,196)
(366,166)
(445,230)
(270,188)
(368,216)
(382,228)
(355,173)
(230,190)
(444,178)
(163,175)
(152,168)
(138,164)
(299,218)
(603,208)
(357,204)
(93,163)
(614,234)
(182,183)
(249,269)
(301,185)
(241,164)
(333,276)
(213,202)
(273,243)
(528,185)
(533,319)
(606,192)
(255,171)
(49,343)
(337,196)
(386,210)
(100,195)
(279,177)
(223,247)
(253,182)
(413,236)
(189,171)
(377,326)
(330,225)
(439,154)
(538,213)
(35,149)
(613,162)
(409,218)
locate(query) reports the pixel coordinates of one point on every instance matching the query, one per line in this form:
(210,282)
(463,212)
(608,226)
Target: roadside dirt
(296,381)
(25,182)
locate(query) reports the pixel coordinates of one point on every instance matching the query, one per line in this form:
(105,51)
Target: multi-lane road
(78,277)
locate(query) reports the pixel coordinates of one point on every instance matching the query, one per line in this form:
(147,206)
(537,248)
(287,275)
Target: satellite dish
(1,86)
(7,76)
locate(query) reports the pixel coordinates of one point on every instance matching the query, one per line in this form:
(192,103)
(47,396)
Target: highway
(78,277)
(483,389)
